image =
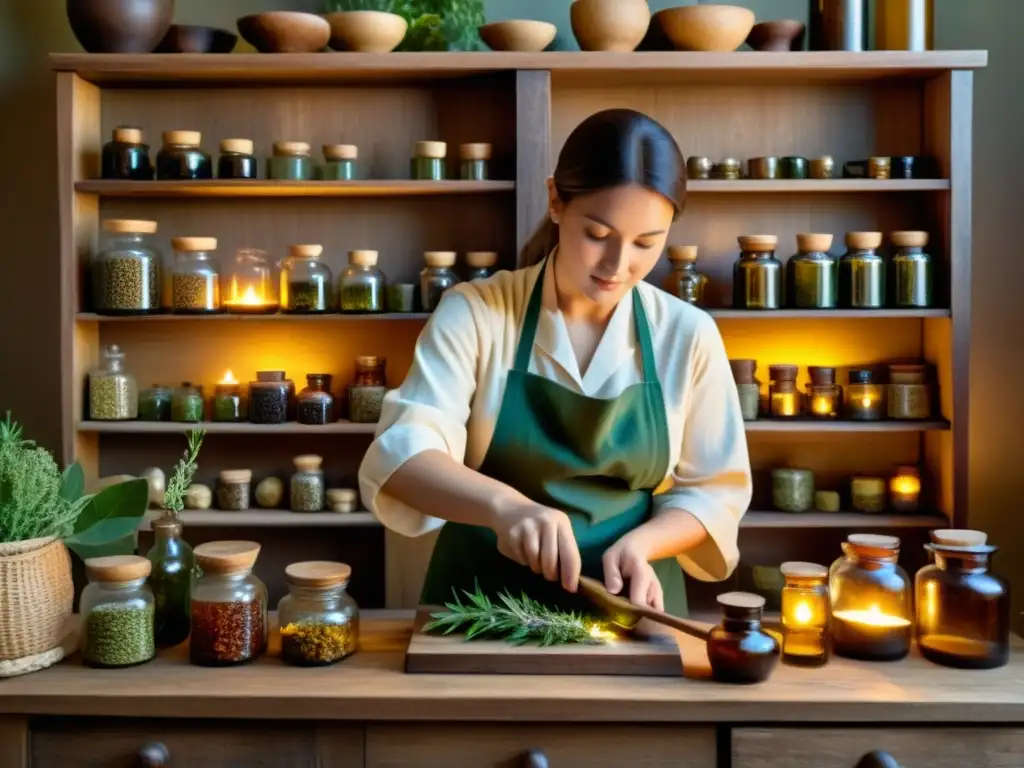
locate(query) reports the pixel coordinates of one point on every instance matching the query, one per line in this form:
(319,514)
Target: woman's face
(609,240)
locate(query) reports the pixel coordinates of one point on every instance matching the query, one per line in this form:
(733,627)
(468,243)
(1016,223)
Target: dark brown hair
(609,149)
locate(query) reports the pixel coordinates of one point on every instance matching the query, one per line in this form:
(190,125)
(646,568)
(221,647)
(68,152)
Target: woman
(545,406)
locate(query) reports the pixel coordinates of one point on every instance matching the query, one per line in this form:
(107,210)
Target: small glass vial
(187,403)
(367,391)
(805,614)
(783,397)
(905,490)
(113,393)
(249,286)
(863,400)
(912,270)
(319,620)
(862,272)
(181,158)
(475,161)
(271,398)
(748,387)
(871,600)
(909,396)
(306,282)
(195,284)
(793,489)
(315,404)
(436,277)
(237,160)
(228,402)
(824,399)
(757,279)
(428,161)
(362,284)
(481,264)
(867,494)
(963,610)
(155,403)
(813,274)
(234,489)
(126,157)
(739,650)
(307,486)
(170,580)
(127,272)
(340,162)
(117,612)
(291,161)
(684,282)
(228,606)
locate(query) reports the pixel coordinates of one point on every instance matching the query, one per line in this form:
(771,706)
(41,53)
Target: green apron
(598,461)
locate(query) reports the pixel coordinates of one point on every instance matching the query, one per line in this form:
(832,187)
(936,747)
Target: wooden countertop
(372,686)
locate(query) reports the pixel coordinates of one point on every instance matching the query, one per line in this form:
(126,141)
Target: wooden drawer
(109,743)
(470,745)
(911,747)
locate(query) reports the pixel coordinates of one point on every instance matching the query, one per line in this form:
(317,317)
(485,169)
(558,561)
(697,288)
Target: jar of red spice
(229,605)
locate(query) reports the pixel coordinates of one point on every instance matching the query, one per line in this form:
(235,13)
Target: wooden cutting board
(453,654)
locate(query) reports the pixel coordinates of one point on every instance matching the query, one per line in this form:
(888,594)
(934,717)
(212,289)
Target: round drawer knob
(153,754)
(878,759)
(535,758)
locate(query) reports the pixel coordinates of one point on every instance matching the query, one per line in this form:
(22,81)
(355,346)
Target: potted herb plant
(434,25)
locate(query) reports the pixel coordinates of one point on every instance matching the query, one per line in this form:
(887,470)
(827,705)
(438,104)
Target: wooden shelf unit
(849,105)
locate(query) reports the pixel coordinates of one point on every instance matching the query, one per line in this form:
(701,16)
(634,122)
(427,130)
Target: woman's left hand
(626,560)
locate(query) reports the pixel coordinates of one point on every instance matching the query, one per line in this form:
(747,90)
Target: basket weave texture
(36,596)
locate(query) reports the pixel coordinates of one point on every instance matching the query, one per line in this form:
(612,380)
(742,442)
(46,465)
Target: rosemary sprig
(515,620)
(184,471)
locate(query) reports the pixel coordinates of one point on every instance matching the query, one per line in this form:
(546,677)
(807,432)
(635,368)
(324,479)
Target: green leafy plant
(184,471)
(515,620)
(434,25)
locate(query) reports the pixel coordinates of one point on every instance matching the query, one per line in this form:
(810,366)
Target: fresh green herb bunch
(184,471)
(434,25)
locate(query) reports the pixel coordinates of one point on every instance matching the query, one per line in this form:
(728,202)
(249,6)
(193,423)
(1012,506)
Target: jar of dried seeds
(307,487)
(126,273)
(436,277)
(307,284)
(319,619)
(271,398)
(155,403)
(910,397)
(113,393)
(315,404)
(117,609)
(367,391)
(362,284)
(195,284)
(228,605)
(233,489)
(187,403)
(181,157)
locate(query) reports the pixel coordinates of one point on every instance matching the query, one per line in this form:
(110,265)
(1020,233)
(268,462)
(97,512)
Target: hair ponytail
(540,244)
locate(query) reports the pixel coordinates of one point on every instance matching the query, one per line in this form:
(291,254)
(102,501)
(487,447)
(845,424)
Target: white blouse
(450,401)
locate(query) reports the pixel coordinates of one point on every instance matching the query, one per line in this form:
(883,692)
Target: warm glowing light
(822,405)
(905,485)
(784,404)
(803,613)
(601,632)
(249,297)
(867,401)
(229,378)
(872,617)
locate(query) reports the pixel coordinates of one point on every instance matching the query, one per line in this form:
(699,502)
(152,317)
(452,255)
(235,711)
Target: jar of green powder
(117,608)
(187,404)
(793,489)
(362,284)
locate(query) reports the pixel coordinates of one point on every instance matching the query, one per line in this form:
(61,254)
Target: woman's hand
(626,560)
(542,539)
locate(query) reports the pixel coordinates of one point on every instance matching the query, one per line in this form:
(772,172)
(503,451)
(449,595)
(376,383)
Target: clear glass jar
(113,393)
(783,396)
(805,614)
(871,600)
(340,162)
(126,156)
(792,489)
(195,284)
(228,400)
(171,580)
(913,271)
(867,494)
(307,486)
(187,403)
(250,288)
(237,160)
(909,396)
(229,605)
(739,650)
(117,612)
(813,273)
(367,391)
(862,272)
(757,279)
(824,398)
(436,277)
(748,387)
(905,489)
(428,161)
(863,399)
(181,158)
(127,271)
(315,404)
(684,282)
(234,489)
(306,282)
(319,620)
(963,610)
(271,398)
(475,160)
(155,403)
(481,264)
(291,161)
(362,284)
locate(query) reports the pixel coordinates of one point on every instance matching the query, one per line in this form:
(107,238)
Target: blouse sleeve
(712,480)
(428,412)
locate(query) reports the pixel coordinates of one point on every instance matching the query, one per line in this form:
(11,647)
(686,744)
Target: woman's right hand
(540,538)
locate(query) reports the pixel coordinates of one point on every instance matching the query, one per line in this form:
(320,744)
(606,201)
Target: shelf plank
(275,188)
(265,518)
(92,317)
(827,314)
(816,425)
(817,185)
(757,520)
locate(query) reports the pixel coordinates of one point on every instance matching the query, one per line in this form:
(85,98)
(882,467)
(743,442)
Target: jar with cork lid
(128,270)
(125,156)
(824,399)
(228,605)
(195,282)
(684,282)
(368,388)
(757,279)
(234,489)
(271,398)
(909,397)
(308,490)
(813,274)
(307,284)
(113,392)
(739,649)
(237,160)
(291,161)
(340,162)
(862,272)
(117,610)
(428,161)
(436,277)
(748,387)
(783,397)
(319,620)
(913,273)
(363,285)
(181,158)
(481,264)
(475,161)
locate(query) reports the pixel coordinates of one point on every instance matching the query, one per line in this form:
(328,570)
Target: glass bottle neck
(969,564)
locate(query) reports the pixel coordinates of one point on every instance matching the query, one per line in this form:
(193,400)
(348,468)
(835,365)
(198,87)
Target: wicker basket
(36,596)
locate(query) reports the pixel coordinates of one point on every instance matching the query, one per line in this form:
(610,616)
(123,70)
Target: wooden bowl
(518,35)
(707,27)
(366,31)
(114,26)
(285,32)
(779,35)
(609,25)
(188,38)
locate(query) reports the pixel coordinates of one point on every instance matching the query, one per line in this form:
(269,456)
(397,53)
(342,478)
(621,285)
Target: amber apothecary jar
(249,288)
(963,610)
(864,398)
(824,397)
(871,600)
(805,614)
(739,650)
(783,397)
(909,396)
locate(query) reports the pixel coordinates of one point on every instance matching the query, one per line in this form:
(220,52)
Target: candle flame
(804,613)
(872,617)
(821,405)
(907,485)
(866,401)
(229,378)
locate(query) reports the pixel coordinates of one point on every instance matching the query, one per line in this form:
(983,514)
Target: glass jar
(905,489)
(271,398)
(319,620)
(181,158)
(729,168)
(963,610)
(155,403)
(127,271)
(748,387)
(813,274)
(863,400)
(362,284)
(401,297)
(871,600)
(237,160)
(867,494)
(428,161)
(684,282)
(315,404)
(481,264)
(249,288)
(475,162)
(170,580)
(792,489)
(234,489)
(126,157)
(805,614)
(909,396)
(195,284)
(824,397)
(113,393)
(739,650)
(229,605)
(757,275)
(307,486)
(783,397)
(367,391)
(862,272)
(912,269)
(187,403)
(340,162)
(436,277)
(905,25)
(228,402)
(793,167)
(291,161)
(306,282)
(117,612)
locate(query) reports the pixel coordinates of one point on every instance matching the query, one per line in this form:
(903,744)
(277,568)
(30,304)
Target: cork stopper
(907,374)
(169,525)
(308,462)
(236,475)
(685,254)
(239,146)
(130,226)
(194,244)
(128,135)
(956,537)
(369,361)
(342,496)
(363,258)
(226,557)
(118,568)
(783,372)
(319,574)
(435,149)
(909,239)
(341,152)
(269,375)
(758,243)
(305,251)
(821,376)
(873,544)
(481,259)
(863,241)
(183,138)
(813,243)
(439,258)
(801,571)
(743,370)
(291,149)
(741,606)
(475,151)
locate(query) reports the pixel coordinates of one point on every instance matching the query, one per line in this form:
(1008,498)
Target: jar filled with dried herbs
(195,284)
(319,620)
(228,401)
(229,605)
(792,489)
(436,277)
(170,580)
(475,161)
(307,486)
(362,284)
(127,272)
(113,393)
(126,156)
(187,403)
(181,158)
(271,398)
(340,162)
(117,612)
(155,403)
(234,489)
(909,396)
(237,160)
(428,161)
(367,391)
(315,403)
(481,264)
(306,282)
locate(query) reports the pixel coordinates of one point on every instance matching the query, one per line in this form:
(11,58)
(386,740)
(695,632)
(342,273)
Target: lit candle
(905,489)
(871,634)
(250,294)
(821,405)
(805,610)
(863,398)
(229,378)
(227,400)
